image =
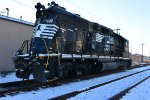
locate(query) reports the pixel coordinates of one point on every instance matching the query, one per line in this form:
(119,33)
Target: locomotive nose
(42,37)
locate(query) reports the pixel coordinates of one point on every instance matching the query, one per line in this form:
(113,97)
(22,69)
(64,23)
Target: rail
(74,93)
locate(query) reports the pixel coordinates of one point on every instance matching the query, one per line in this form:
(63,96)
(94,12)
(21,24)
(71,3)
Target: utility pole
(142,52)
(131,49)
(117,30)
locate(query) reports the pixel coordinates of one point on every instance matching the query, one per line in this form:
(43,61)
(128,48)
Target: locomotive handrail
(47,63)
(25,43)
(117,51)
(58,50)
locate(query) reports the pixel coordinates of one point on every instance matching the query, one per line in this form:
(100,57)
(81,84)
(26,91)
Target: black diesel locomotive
(64,45)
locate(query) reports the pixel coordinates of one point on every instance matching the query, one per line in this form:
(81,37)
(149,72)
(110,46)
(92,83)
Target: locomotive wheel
(97,67)
(83,68)
(79,69)
(65,70)
(65,74)
(86,68)
(38,73)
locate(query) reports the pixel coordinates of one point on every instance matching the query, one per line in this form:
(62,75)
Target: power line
(89,13)
(23,4)
(35,1)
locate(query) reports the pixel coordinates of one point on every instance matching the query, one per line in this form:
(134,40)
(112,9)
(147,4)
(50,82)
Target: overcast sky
(131,16)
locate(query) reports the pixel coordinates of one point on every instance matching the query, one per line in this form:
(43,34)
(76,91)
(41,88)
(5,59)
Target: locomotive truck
(64,45)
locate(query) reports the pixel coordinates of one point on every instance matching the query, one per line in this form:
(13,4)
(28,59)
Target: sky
(132,17)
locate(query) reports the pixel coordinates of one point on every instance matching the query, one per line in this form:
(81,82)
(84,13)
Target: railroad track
(124,92)
(12,88)
(115,97)
(20,86)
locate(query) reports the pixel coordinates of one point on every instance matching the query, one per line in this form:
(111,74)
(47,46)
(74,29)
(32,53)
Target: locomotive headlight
(51,21)
(41,57)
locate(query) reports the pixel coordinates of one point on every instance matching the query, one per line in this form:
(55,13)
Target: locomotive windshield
(49,18)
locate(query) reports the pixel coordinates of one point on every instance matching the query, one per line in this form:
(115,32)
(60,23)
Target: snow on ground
(140,92)
(109,90)
(51,92)
(10,77)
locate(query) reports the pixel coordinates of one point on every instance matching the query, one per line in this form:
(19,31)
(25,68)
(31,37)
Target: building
(12,34)
(137,59)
